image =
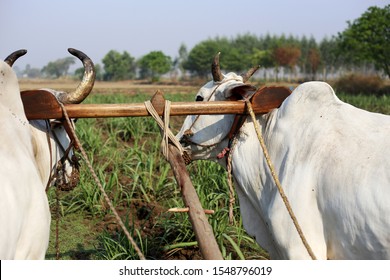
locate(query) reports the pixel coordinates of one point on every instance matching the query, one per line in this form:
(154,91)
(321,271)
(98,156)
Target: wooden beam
(203,232)
(41,104)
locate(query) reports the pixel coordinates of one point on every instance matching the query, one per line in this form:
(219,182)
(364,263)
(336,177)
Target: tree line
(364,46)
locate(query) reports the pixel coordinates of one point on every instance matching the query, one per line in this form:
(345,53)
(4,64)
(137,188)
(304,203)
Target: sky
(47,28)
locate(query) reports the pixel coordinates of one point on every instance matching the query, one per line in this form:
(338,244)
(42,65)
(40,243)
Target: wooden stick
(203,231)
(187,209)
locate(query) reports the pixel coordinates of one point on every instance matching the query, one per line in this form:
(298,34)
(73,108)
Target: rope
(57,224)
(97,181)
(164,125)
(230,180)
(277,182)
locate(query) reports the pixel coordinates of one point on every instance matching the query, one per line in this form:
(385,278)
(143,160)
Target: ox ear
(241,92)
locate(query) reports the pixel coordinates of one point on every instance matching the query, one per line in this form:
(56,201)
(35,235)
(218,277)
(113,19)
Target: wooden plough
(41,104)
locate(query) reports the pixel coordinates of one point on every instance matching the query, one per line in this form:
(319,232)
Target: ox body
(24,208)
(31,153)
(333,163)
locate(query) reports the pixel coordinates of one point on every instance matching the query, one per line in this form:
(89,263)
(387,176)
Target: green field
(125,153)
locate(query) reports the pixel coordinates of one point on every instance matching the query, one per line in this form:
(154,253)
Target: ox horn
(86,85)
(249,74)
(216,69)
(10,60)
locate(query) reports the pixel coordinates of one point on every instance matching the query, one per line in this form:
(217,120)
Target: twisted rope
(97,181)
(164,125)
(277,182)
(230,180)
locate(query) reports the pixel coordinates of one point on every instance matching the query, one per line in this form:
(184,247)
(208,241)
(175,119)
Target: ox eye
(199,98)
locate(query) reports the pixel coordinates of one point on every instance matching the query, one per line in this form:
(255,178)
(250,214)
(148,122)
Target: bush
(359,84)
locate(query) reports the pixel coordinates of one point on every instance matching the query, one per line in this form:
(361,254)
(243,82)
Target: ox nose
(185,139)
(188,133)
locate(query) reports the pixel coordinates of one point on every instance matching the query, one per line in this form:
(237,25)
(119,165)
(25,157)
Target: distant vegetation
(363,47)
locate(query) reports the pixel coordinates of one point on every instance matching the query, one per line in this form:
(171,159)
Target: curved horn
(14,56)
(216,70)
(86,85)
(249,74)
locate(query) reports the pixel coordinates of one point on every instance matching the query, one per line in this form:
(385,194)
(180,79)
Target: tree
(154,64)
(314,59)
(307,47)
(200,58)
(58,68)
(263,58)
(244,48)
(118,66)
(286,56)
(183,53)
(329,57)
(31,73)
(368,38)
(234,57)
(178,63)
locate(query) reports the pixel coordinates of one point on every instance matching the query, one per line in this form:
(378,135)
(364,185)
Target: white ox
(29,153)
(333,163)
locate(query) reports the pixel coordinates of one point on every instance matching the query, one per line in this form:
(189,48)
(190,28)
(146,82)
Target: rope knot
(168,136)
(223,153)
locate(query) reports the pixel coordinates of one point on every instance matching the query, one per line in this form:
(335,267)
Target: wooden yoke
(34,101)
(268,98)
(41,104)
(265,97)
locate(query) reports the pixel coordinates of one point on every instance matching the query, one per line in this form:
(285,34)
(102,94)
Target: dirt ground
(101,87)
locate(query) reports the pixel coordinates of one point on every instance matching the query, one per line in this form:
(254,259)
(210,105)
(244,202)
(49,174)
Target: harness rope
(97,181)
(164,125)
(277,182)
(57,245)
(230,179)
(57,191)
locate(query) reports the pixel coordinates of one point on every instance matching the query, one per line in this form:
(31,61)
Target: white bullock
(24,209)
(333,161)
(29,153)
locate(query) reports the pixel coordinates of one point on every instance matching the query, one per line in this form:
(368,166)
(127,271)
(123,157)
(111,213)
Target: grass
(81,240)
(125,153)
(379,104)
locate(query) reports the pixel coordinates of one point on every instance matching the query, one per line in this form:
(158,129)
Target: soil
(101,87)
(145,218)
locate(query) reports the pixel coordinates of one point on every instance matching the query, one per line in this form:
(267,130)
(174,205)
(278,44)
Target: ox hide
(333,163)
(24,208)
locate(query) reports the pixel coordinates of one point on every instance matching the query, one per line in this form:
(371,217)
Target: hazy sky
(46,28)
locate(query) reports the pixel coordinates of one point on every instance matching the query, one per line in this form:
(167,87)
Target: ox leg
(255,226)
